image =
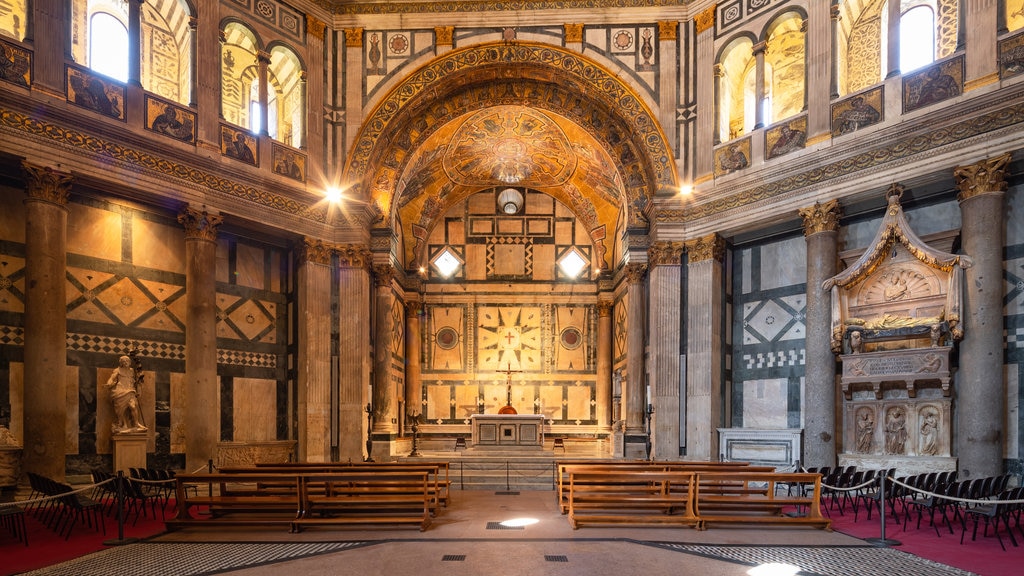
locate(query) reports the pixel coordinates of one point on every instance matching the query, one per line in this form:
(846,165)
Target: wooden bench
(300,498)
(749,497)
(635,497)
(564,467)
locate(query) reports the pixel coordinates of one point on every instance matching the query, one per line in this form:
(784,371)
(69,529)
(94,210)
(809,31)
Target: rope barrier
(54,496)
(977,502)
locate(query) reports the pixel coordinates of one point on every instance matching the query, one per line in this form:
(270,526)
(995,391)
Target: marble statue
(124,385)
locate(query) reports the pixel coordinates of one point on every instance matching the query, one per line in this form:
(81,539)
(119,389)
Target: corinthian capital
(986,176)
(315,251)
(199,224)
(710,247)
(383,274)
(821,217)
(635,273)
(664,253)
(45,183)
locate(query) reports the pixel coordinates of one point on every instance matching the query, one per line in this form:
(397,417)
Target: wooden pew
(630,496)
(301,498)
(750,497)
(563,468)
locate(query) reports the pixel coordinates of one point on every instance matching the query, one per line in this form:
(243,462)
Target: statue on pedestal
(124,386)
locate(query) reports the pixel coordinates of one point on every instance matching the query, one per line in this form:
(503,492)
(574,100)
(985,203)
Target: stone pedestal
(10,466)
(129,450)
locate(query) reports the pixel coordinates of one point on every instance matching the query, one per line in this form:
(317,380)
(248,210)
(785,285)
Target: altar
(508,431)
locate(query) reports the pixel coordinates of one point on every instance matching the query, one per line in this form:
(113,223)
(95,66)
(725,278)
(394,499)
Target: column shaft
(821,225)
(413,343)
(354,352)
(665,282)
(704,316)
(202,387)
(384,409)
(314,358)
(982,401)
(603,387)
(635,393)
(893,35)
(45,408)
(708,110)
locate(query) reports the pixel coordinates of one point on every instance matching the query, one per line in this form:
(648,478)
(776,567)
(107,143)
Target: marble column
(193,40)
(384,402)
(45,408)
(354,351)
(413,345)
(759,93)
(707,109)
(208,87)
(821,230)
(263,63)
(603,386)
(834,21)
(50,36)
(634,397)
(665,286)
(980,396)
(313,80)
(202,387)
(705,311)
(313,307)
(135,42)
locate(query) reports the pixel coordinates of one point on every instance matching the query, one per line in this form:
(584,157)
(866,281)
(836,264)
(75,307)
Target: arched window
(286,106)
(239,78)
(784,68)
(13,18)
(736,105)
(108,46)
(917,38)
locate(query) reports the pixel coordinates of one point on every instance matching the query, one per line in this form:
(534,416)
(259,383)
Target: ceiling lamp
(510,201)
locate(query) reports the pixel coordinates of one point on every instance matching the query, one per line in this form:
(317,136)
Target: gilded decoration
(821,217)
(1011,56)
(710,247)
(893,151)
(383,275)
(635,273)
(604,308)
(899,288)
(45,183)
(315,27)
(96,93)
(627,128)
(705,20)
(199,224)
(668,30)
(443,35)
(288,162)
(315,251)
(934,84)
(354,37)
(787,137)
(858,111)
(982,177)
(170,120)
(664,253)
(353,256)
(15,64)
(573,33)
(239,144)
(733,156)
(435,7)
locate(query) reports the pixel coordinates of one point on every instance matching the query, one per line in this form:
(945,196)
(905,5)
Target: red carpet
(47,548)
(982,556)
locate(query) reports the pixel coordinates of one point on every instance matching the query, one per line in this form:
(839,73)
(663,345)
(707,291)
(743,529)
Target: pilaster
(705,343)
(384,409)
(603,387)
(353,87)
(665,289)
(354,350)
(706,110)
(634,395)
(313,306)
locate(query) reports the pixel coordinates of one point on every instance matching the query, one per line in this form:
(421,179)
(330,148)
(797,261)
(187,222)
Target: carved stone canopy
(899,288)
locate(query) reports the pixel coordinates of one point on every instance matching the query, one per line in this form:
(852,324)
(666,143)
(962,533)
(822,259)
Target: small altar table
(508,430)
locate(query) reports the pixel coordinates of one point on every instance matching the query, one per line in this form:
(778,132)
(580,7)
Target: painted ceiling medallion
(510,145)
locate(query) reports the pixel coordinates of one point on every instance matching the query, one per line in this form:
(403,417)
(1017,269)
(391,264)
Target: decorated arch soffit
(524,115)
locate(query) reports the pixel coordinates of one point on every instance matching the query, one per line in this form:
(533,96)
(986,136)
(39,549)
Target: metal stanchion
(120,515)
(882,541)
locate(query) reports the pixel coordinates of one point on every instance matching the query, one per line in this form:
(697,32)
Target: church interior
(783,231)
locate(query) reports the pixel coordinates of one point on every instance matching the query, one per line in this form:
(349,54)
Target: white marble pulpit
(508,430)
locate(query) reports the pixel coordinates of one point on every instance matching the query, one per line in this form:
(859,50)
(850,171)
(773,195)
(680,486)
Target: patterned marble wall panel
(439,401)
(249,266)
(1013,311)
(446,330)
(94,231)
(571,335)
(16,394)
(255,411)
(158,245)
(793,253)
(578,403)
(177,417)
(765,403)
(12,292)
(73,399)
(387,52)
(467,401)
(12,215)
(551,403)
(634,48)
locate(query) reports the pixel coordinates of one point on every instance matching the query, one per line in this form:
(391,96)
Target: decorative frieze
(821,217)
(45,183)
(353,256)
(710,247)
(199,224)
(986,176)
(706,19)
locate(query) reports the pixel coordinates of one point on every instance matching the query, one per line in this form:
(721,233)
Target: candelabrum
(415,420)
(369,432)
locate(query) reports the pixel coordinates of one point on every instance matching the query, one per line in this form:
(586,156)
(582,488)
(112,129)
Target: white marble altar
(508,430)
